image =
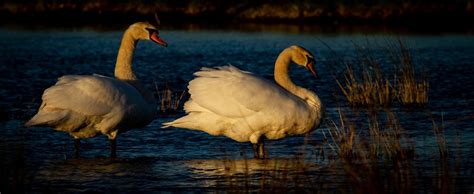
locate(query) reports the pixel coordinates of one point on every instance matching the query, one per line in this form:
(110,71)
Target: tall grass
(368,86)
(379,138)
(366,90)
(378,158)
(409,88)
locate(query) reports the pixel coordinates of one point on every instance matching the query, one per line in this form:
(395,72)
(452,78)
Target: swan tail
(179,123)
(46,118)
(197,121)
(62,120)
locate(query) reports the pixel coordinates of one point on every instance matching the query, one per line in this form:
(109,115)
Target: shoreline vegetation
(450,15)
(365,84)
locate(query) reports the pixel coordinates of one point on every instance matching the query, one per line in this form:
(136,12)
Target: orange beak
(155,38)
(310,67)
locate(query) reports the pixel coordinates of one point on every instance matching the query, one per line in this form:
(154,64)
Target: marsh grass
(376,156)
(410,89)
(373,154)
(368,86)
(369,90)
(379,138)
(170,101)
(438,130)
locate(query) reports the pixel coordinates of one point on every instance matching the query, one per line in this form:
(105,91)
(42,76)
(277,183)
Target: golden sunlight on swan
(244,107)
(88,105)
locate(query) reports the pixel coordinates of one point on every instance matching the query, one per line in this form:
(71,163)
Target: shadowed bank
(414,14)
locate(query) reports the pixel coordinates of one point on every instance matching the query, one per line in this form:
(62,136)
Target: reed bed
(409,89)
(379,138)
(377,156)
(368,86)
(366,91)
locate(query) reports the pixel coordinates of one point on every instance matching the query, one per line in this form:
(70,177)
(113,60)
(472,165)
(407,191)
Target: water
(154,159)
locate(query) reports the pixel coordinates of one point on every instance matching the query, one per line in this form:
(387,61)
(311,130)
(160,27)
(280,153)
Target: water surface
(155,159)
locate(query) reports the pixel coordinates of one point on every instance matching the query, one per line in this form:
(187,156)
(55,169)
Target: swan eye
(151,31)
(309,58)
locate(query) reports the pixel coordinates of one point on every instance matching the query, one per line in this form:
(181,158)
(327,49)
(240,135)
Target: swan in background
(88,105)
(244,107)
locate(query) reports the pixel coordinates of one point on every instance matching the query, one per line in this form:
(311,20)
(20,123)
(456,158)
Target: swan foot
(77,146)
(113,148)
(259,151)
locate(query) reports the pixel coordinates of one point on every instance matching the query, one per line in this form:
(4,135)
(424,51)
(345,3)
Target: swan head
(146,31)
(303,57)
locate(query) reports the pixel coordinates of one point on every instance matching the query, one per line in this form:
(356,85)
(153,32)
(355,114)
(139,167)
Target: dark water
(154,159)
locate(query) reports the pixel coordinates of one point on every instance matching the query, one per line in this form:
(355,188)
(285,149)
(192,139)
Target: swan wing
(77,101)
(230,92)
(88,95)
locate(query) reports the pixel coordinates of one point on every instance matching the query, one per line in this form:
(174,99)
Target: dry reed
(408,88)
(169,100)
(369,87)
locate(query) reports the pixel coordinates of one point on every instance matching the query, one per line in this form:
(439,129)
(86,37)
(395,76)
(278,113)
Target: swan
(88,105)
(244,107)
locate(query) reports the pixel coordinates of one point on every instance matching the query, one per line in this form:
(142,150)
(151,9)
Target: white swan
(231,102)
(89,105)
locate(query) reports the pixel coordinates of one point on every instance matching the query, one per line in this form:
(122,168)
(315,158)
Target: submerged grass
(367,86)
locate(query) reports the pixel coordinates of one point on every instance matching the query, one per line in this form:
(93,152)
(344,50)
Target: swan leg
(255,150)
(113,148)
(259,149)
(77,146)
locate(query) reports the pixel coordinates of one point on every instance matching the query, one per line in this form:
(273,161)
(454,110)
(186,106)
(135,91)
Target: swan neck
(281,73)
(123,67)
(282,77)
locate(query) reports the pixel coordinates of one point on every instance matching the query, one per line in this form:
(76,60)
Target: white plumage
(244,107)
(88,105)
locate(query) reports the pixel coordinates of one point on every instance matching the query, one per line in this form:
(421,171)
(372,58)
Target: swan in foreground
(88,105)
(244,107)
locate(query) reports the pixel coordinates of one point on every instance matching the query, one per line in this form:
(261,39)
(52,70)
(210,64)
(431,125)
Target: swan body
(245,107)
(88,105)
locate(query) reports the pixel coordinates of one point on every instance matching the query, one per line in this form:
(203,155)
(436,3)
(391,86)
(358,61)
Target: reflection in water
(93,168)
(253,174)
(223,167)
(91,173)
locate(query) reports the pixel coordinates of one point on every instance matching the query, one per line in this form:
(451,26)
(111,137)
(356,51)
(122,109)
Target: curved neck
(282,66)
(123,67)
(283,79)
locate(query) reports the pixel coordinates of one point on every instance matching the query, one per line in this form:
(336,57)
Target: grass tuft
(169,101)
(367,86)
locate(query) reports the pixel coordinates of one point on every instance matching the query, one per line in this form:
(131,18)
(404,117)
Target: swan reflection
(225,167)
(94,169)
